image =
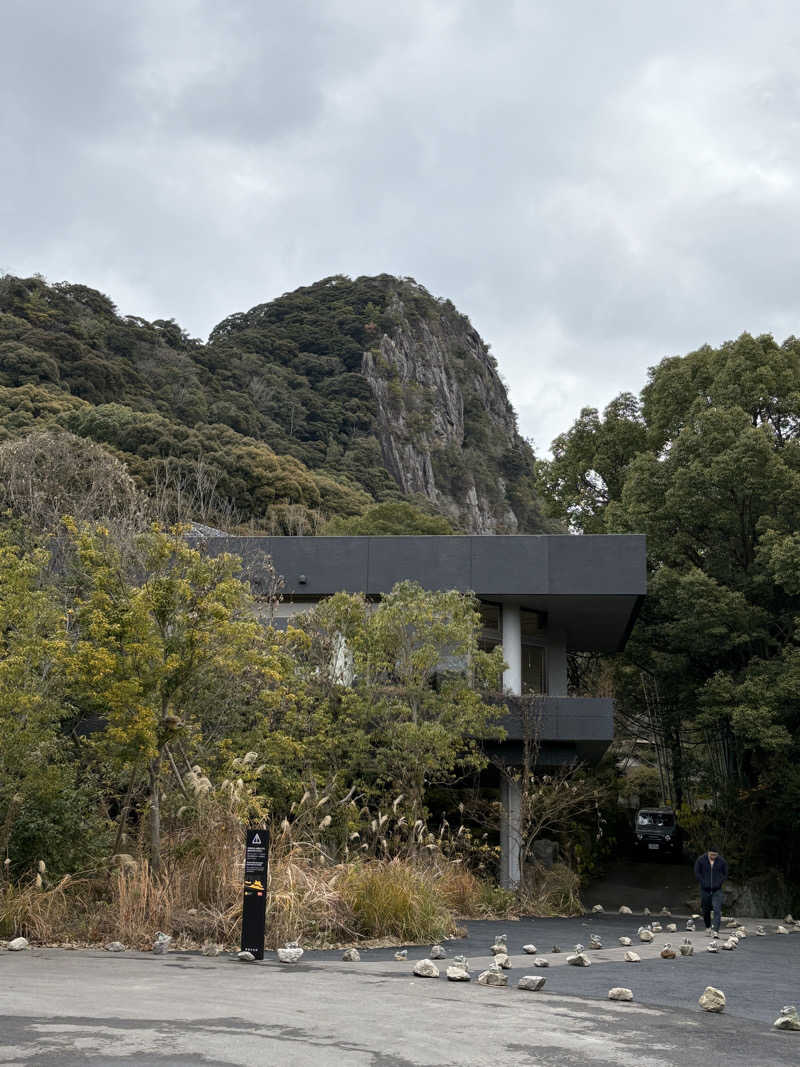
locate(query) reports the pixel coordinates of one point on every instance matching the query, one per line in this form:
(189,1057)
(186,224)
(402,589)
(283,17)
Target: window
(656,818)
(534,676)
(491,634)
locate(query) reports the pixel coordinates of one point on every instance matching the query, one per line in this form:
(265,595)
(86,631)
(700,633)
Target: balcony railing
(558,718)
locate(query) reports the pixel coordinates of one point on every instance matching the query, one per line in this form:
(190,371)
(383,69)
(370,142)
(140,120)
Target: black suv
(656,831)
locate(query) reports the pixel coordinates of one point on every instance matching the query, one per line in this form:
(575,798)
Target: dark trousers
(711,901)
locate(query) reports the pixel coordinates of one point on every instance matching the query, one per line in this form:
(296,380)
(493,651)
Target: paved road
(76,1008)
(654,883)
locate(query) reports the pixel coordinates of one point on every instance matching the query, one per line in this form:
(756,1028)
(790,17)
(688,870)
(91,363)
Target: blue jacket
(710,878)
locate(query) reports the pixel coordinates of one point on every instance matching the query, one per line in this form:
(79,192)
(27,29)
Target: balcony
(567,729)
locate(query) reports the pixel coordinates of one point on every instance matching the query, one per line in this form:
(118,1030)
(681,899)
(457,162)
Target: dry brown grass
(39,913)
(316,895)
(551,891)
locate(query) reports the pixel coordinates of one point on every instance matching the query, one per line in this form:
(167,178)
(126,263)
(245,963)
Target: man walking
(711,870)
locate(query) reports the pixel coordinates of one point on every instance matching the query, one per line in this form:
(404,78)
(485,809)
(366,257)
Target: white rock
(690,925)
(401,954)
(730,944)
(789,920)
(501,960)
(632,957)
(788,1019)
(665,911)
(161,944)
(426,969)
(351,955)
(494,976)
(687,948)
(656,928)
(712,999)
(18,944)
(646,911)
(713,947)
(458,974)
(245,957)
(597,909)
(114,946)
(672,928)
(438,953)
(540,962)
(290,953)
(532,982)
(211,949)
(760,931)
(595,942)
(620,993)
(646,936)
(624,941)
(580,959)
(530,949)
(625,910)
(781,930)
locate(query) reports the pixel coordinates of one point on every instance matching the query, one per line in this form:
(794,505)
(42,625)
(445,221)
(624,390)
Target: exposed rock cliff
(444,420)
(395,382)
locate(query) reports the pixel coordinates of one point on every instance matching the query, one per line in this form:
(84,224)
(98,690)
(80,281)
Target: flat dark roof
(590,586)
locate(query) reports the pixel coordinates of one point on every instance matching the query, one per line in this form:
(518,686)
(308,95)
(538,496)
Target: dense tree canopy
(706,463)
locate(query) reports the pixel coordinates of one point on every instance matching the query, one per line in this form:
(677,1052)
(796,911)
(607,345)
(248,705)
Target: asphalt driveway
(71,1008)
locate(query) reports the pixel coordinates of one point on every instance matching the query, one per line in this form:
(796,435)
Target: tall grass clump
(551,891)
(396,899)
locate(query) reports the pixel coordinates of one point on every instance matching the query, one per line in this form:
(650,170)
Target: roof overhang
(590,586)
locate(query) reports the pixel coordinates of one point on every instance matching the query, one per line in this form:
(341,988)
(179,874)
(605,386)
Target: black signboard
(254,905)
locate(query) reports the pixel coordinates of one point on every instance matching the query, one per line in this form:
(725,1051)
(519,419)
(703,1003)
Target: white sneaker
(710,932)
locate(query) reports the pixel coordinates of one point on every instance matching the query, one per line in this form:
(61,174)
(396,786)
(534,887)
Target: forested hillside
(323,405)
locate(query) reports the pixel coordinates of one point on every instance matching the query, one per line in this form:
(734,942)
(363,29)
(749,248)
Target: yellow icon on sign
(253,885)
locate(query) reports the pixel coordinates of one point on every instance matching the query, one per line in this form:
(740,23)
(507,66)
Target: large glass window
(534,674)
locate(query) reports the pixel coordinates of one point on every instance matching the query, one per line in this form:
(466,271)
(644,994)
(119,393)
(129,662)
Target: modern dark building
(542,596)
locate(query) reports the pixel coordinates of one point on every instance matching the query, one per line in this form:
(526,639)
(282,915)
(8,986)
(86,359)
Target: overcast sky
(597,184)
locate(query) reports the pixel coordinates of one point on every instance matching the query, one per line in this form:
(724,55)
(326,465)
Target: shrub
(397,899)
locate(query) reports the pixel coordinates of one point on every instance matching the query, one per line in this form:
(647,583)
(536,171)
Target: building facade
(542,596)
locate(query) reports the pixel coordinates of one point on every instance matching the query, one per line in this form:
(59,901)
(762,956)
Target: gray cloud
(596,186)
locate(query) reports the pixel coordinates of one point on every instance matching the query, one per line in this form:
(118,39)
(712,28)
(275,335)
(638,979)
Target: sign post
(254,904)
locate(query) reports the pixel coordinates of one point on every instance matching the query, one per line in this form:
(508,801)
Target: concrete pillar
(510,797)
(512,649)
(510,791)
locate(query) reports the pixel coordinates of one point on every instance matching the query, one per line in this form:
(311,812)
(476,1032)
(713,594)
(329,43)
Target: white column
(512,649)
(509,791)
(510,840)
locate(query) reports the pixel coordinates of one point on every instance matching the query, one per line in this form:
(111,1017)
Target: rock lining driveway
(87,1007)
